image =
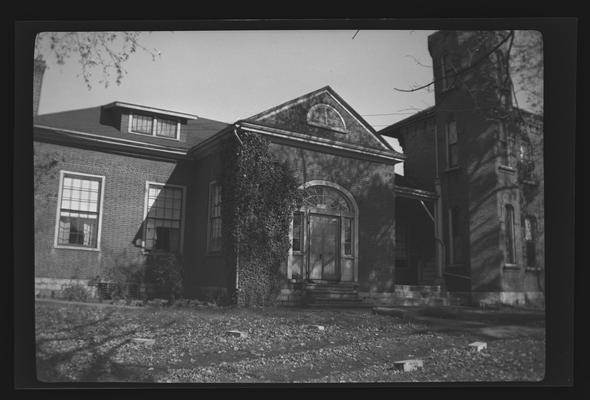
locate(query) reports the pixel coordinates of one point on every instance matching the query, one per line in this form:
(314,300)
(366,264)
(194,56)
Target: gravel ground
(94,343)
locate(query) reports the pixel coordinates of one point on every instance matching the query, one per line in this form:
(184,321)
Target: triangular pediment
(322,114)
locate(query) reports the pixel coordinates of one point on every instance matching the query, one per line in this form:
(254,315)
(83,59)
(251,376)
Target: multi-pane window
(326,116)
(509,235)
(79,211)
(153,126)
(455,248)
(506,145)
(142,124)
(530,227)
(452,150)
(214,243)
(347,236)
(297,241)
(164,218)
(165,128)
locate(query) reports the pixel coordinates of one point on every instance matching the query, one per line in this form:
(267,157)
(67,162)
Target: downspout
(237,283)
(440,248)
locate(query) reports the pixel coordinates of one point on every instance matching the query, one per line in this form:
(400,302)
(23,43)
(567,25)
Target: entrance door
(324,246)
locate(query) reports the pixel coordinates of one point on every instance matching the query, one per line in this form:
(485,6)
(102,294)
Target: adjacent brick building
(484,157)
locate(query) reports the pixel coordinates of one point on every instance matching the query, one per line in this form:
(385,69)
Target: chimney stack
(38,72)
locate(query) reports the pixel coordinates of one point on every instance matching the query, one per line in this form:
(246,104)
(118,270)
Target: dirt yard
(104,343)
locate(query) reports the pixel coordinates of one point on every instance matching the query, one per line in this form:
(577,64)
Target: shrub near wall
(258,200)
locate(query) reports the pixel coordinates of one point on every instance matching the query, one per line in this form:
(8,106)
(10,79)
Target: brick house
(116,182)
(488,169)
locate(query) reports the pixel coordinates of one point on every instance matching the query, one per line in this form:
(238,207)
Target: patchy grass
(94,343)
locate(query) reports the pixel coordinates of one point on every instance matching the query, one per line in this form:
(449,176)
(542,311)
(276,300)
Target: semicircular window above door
(325,197)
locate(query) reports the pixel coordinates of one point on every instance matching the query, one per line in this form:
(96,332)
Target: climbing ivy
(259,197)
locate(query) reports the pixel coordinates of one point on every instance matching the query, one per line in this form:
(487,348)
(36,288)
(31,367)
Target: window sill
(452,169)
(530,182)
(76,248)
(176,139)
(533,269)
(511,267)
(507,169)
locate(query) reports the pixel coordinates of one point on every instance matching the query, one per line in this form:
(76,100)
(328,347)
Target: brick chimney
(39,70)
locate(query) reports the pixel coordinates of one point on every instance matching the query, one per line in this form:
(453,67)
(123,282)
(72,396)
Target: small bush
(163,276)
(75,292)
(121,282)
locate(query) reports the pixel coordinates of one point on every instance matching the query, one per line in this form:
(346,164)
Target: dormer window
(326,116)
(154,126)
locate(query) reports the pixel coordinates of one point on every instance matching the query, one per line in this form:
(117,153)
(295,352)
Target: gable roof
(94,121)
(393,129)
(372,138)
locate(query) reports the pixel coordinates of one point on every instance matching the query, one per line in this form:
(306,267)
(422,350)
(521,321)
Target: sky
(229,75)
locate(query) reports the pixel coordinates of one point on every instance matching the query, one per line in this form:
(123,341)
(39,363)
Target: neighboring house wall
(418,140)
(482,184)
(122,216)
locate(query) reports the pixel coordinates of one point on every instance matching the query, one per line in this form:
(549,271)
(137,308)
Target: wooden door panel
(324,247)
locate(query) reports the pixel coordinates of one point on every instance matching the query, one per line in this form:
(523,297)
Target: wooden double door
(324,246)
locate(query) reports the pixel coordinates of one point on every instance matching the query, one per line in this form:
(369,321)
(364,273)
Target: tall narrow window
(530,227)
(455,247)
(79,211)
(446,72)
(509,227)
(214,243)
(347,236)
(163,219)
(297,232)
(506,146)
(452,150)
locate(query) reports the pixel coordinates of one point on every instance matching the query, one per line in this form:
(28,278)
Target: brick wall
(122,210)
(371,185)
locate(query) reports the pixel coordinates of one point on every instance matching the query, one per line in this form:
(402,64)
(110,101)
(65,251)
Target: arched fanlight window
(325,197)
(326,116)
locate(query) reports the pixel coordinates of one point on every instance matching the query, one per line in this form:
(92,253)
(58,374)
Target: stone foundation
(491,299)
(53,287)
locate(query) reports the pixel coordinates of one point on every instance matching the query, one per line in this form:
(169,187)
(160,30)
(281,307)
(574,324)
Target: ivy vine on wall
(259,197)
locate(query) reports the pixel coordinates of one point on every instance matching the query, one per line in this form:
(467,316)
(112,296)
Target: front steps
(341,294)
(346,295)
(413,295)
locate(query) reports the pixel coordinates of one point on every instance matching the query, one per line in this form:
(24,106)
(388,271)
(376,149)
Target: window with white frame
(79,210)
(452,149)
(163,222)
(154,126)
(347,236)
(297,240)
(214,242)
